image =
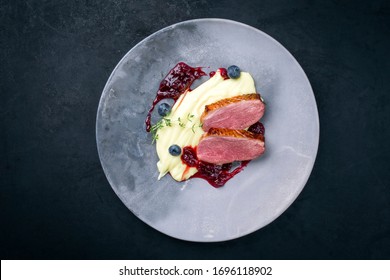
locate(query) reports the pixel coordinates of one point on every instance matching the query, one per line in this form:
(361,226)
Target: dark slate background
(56,56)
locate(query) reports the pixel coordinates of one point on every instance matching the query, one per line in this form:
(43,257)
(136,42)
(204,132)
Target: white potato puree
(185,129)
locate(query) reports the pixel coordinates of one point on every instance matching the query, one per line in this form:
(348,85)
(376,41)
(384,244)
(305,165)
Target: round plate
(194,210)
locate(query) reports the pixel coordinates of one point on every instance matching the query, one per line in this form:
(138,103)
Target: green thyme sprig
(160,124)
(189,117)
(168,122)
(181,123)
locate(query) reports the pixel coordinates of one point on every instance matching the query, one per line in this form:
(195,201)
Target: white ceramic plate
(194,210)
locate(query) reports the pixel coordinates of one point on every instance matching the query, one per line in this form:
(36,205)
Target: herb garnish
(161,123)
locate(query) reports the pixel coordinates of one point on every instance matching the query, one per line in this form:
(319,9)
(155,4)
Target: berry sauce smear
(178,80)
(216,175)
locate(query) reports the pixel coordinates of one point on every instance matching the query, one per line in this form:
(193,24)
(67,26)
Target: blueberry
(233,72)
(163,109)
(175,150)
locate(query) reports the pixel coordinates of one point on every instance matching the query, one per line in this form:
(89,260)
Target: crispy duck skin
(237,112)
(230,100)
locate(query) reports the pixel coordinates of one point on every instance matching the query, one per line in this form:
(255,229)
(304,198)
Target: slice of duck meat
(236,112)
(222,145)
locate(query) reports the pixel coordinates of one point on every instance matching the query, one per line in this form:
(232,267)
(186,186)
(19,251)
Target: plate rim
(286,51)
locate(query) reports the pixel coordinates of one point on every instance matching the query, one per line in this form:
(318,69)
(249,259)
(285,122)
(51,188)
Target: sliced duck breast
(236,112)
(222,145)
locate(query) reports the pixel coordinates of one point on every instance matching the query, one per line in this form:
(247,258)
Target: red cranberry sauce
(189,157)
(178,80)
(257,128)
(224,73)
(216,175)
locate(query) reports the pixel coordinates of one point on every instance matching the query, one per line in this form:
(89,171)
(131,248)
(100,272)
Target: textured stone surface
(55,58)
